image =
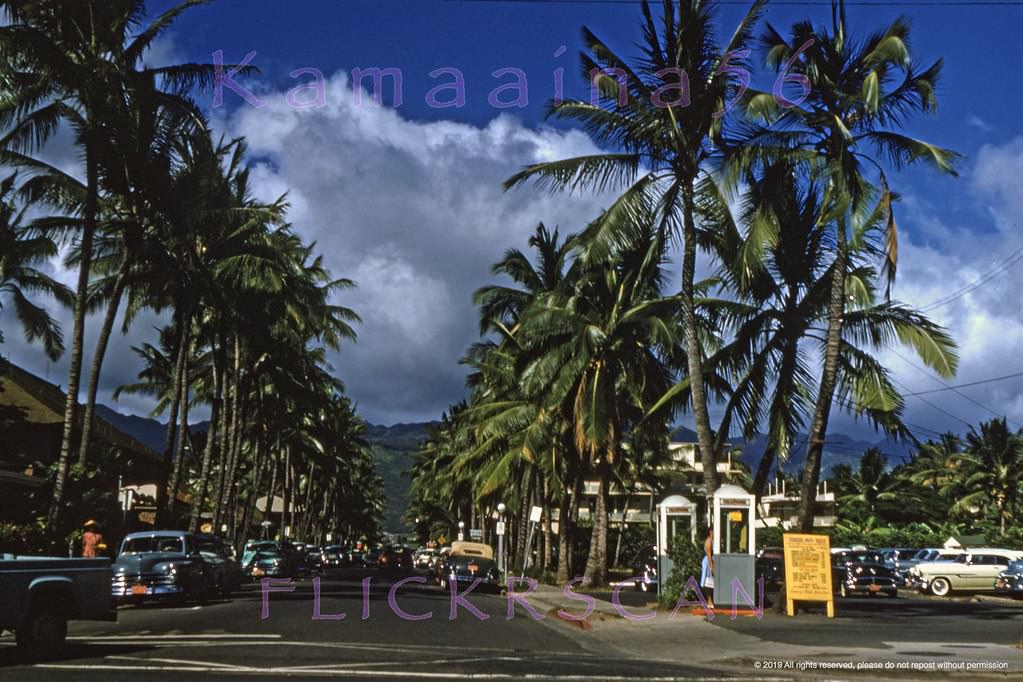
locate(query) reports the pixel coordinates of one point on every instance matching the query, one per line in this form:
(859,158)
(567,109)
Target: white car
(975,570)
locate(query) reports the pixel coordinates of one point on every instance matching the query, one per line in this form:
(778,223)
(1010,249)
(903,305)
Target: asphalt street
(416,635)
(232,638)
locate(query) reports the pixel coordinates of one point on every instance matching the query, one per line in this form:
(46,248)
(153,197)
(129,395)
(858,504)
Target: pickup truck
(41,594)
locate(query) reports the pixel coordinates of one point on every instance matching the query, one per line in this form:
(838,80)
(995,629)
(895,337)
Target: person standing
(92,539)
(707,567)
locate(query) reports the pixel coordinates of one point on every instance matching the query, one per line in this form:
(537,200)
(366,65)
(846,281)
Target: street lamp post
(500,537)
(461,530)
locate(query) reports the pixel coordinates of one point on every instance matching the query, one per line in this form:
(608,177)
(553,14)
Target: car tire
(940,587)
(45,626)
(892,594)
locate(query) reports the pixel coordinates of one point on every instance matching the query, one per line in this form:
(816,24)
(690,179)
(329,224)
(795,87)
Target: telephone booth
(676,515)
(734,543)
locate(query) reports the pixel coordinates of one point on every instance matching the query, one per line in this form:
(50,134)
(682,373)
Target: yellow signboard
(808,570)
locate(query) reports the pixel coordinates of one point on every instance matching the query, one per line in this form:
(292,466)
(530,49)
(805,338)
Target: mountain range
(395,446)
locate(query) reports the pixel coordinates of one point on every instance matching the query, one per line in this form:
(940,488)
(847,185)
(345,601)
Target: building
(31,427)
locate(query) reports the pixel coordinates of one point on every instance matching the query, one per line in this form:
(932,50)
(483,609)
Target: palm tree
(69,61)
(871,485)
(859,93)
(599,356)
(993,466)
(19,278)
(673,138)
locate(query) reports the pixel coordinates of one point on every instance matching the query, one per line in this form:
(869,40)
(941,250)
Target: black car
(335,556)
(858,572)
(772,570)
(314,558)
(396,560)
(225,570)
(161,565)
(1010,581)
(467,562)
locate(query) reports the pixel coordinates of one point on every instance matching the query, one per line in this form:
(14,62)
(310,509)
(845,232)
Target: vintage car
(862,572)
(161,564)
(225,570)
(468,562)
(975,570)
(396,560)
(41,594)
(1010,581)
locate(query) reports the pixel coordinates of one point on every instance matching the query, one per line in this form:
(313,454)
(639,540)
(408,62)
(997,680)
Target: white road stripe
(177,636)
(347,673)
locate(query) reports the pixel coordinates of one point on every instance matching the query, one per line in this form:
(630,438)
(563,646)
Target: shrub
(687,556)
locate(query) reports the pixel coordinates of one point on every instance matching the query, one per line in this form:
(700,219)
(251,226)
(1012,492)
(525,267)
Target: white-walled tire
(940,587)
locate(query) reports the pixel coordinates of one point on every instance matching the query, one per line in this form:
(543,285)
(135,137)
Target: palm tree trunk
(179,378)
(179,446)
(222,449)
(207,454)
(564,536)
(694,349)
(97,362)
(596,562)
(78,333)
(621,531)
(547,535)
(829,378)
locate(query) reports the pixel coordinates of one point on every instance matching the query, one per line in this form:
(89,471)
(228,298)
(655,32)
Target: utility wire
(1004,266)
(992,380)
(949,386)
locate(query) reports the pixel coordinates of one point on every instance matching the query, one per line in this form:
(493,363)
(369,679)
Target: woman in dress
(707,568)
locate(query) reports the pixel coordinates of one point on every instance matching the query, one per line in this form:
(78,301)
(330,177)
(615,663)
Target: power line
(917,394)
(1004,266)
(947,386)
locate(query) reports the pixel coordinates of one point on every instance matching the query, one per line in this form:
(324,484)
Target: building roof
(40,402)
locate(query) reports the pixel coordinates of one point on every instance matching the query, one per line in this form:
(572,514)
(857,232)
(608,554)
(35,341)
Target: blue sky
(407,201)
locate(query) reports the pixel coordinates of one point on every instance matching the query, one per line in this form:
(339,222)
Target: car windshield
(267,555)
(1015,567)
(147,545)
(907,553)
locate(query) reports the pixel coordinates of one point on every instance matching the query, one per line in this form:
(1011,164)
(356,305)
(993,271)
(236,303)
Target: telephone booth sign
(676,516)
(734,542)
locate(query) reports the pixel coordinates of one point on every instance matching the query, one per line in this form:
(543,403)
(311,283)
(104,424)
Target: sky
(405,197)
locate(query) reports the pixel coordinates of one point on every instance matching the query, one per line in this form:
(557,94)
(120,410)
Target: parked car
(862,572)
(469,561)
(161,564)
(335,556)
(314,558)
(267,562)
(396,560)
(41,594)
(225,570)
(1010,581)
(425,557)
(644,572)
(975,570)
(772,570)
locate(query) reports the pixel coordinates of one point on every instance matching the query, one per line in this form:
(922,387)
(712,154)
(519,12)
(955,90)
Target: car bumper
(868,587)
(146,588)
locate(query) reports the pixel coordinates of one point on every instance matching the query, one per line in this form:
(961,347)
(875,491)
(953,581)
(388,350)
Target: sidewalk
(738,648)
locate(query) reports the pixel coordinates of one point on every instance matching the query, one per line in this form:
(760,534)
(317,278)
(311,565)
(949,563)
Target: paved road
(231,638)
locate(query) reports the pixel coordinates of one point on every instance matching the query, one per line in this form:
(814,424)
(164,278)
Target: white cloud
(414,212)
